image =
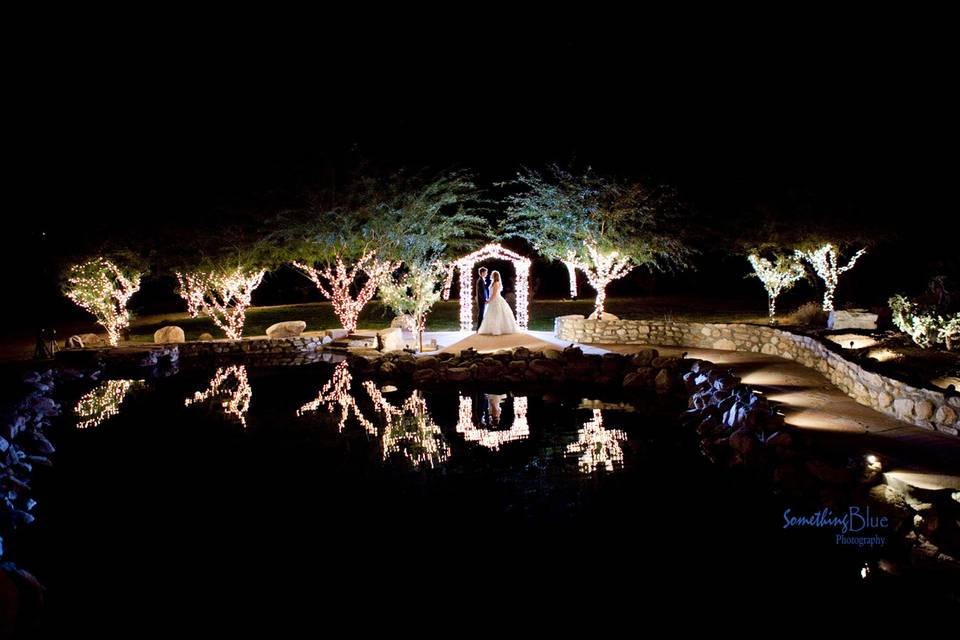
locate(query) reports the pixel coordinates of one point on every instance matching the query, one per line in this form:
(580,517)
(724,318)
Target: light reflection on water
(403,430)
(103,401)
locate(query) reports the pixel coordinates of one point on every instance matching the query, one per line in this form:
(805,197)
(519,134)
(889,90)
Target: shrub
(808,314)
(923,324)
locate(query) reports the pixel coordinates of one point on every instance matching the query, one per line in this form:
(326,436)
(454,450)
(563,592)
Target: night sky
(184,124)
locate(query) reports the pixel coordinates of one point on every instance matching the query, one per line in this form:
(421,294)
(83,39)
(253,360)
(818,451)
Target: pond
(242,483)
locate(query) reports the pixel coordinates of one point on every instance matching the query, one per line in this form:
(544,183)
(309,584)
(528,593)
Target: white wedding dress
(498,317)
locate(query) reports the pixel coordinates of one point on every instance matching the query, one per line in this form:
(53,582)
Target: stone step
(354,341)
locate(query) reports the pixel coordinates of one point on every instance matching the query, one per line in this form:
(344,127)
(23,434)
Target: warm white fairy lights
(222,295)
(100,287)
(925,326)
(232,385)
(103,401)
(493,439)
(572,275)
(334,284)
(337,394)
(597,447)
(490,252)
(776,277)
(824,262)
(409,430)
(601,269)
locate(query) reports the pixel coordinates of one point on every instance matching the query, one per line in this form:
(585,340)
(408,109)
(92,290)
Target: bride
(497,317)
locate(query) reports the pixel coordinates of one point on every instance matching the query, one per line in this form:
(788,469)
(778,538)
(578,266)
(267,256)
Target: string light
(776,277)
(336,394)
(596,446)
(465,264)
(824,262)
(572,275)
(340,279)
(419,440)
(103,401)
(601,269)
(223,296)
(519,430)
(232,384)
(99,287)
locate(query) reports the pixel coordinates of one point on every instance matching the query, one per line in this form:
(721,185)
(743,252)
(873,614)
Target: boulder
(664,381)
(606,316)
(644,357)
(852,319)
(288,329)
(169,335)
(337,334)
(459,374)
(404,322)
(93,340)
(73,342)
(391,339)
(205,337)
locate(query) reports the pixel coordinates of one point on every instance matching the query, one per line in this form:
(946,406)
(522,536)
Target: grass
(445,315)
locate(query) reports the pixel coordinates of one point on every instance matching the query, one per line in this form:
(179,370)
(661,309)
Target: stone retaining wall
(923,407)
(279,351)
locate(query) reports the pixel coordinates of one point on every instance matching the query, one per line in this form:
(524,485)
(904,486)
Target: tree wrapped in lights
(602,226)
(223,295)
(102,288)
(825,262)
(414,293)
(776,276)
(925,325)
(352,240)
(334,282)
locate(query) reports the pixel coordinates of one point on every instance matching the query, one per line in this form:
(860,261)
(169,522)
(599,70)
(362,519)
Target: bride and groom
(495,315)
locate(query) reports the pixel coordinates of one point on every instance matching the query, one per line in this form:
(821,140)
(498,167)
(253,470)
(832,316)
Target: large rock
(404,322)
(606,316)
(93,340)
(169,335)
(391,339)
(288,329)
(205,337)
(852,319)
(337,334)
(73,342)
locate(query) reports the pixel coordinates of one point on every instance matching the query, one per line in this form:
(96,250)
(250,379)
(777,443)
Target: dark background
(177,122)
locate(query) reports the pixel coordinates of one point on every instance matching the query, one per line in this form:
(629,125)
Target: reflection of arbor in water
(336,393)
(596,446)
(493,439)
(232,384)
(103,401)
(409,430)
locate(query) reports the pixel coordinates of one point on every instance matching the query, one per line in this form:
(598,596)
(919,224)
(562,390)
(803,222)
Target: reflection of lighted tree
(336,393)
(103,401)
(596,446)
(232,384)
(519,430)
(409,430)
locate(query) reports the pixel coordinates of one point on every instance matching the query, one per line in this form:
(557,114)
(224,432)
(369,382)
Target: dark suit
(483,292)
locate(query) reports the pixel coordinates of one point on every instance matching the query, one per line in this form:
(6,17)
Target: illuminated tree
(602,226)
(925,325)
(351,240)
(777,277)
(825,262)
(102,288)
(232,387)
(222,294)
(414,293)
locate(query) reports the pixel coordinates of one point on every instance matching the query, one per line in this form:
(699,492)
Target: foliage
(102,288)
(825,262)
(415,292)
(925,326)
(776,276)
(221,294)
(808,314)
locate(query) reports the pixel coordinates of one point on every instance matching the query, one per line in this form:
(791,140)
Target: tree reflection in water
(597,447)
(232,385)
(409,430)
(336,395)
(103,401)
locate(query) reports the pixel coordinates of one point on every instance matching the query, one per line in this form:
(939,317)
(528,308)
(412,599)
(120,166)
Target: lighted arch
(496,252)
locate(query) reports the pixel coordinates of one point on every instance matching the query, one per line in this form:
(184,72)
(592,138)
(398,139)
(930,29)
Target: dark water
(262,502)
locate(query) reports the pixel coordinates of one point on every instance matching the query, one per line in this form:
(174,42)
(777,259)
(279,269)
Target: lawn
(445,316)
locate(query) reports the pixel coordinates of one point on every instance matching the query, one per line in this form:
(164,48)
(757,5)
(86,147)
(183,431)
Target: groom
(483,294)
